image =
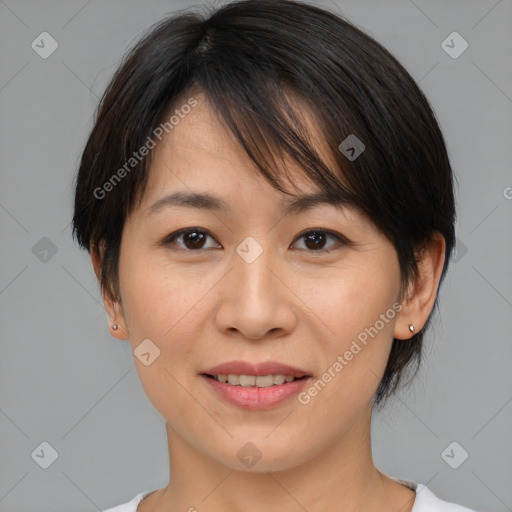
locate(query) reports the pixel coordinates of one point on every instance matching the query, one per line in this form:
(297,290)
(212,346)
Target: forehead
(201,146)
(201,165)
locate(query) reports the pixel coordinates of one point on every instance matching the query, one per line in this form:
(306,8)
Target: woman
(267,201)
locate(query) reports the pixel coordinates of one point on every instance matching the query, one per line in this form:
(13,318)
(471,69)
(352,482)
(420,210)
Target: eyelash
(170,240)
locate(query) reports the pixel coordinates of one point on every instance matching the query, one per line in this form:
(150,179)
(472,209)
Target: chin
(255,454)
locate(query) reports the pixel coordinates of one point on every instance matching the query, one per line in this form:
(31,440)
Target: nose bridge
(253,261)
(255,300)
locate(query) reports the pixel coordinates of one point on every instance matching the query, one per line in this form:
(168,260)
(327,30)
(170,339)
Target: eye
(315,240)
(193,238)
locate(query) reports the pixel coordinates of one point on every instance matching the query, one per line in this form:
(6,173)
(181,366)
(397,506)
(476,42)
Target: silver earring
(411,327)
(114,327)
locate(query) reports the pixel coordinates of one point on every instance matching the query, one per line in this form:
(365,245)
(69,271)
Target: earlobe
(117,331)
(116,318)
(113,308)
(420,301)
(404,330)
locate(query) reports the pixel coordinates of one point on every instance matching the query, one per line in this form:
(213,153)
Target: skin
(292,304)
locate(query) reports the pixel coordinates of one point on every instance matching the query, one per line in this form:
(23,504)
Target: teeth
(234,380)
(279,379)
(246,380)
(260,381)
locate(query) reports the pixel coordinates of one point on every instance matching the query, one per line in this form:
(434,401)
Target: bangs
(273,116)
(275,125)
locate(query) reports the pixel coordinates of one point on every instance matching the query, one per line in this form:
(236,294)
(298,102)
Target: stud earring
(411,327)
(114,327)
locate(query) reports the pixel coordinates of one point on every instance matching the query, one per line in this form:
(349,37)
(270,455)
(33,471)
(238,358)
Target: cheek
(156,296)
(350,299)
(163,304)
(160,306)
(357,309)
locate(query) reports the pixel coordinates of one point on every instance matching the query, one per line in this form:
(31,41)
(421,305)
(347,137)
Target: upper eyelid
(340,238)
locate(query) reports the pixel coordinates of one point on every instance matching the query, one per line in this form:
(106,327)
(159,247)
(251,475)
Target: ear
(112,304)
(422,292)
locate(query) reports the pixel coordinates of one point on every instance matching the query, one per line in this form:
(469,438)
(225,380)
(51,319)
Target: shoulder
(427,501)
(130,506)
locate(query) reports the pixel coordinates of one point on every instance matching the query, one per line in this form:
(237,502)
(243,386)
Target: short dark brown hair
(245,57)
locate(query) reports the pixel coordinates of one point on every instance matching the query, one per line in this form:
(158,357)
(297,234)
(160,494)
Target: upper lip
(247,368)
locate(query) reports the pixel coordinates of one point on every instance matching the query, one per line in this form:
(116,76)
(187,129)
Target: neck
(339,477)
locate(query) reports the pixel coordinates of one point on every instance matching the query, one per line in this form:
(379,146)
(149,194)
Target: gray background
(65,381)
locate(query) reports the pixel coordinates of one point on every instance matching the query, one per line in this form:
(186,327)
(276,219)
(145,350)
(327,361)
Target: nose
(256,299)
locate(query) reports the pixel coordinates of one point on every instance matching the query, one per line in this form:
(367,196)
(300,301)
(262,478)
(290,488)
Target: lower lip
(254,397)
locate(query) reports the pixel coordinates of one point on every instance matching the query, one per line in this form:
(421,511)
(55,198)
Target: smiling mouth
(255,381)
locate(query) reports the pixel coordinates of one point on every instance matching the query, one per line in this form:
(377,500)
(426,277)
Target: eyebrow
(207,201)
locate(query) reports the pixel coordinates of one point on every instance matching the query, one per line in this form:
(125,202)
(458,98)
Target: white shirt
(425,501)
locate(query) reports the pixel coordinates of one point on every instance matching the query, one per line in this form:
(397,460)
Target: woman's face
(250,283)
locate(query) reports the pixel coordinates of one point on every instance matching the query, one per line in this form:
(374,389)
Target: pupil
(314,237)
(195,238)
